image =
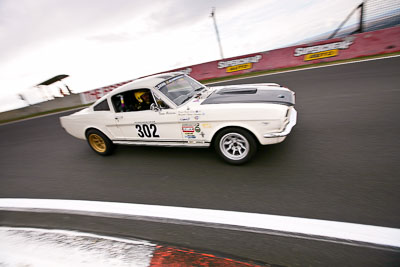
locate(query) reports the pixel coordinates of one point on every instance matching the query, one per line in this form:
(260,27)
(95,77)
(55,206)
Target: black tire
(235,145)
(99,142)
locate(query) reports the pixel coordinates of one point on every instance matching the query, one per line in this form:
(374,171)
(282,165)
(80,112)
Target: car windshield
(180,88)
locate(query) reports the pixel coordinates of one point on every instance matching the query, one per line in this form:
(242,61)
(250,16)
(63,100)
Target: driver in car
(143,98)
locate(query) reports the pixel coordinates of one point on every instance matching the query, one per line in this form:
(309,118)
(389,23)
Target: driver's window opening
(134,100)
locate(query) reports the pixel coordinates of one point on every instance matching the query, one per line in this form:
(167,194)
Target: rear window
(103,105)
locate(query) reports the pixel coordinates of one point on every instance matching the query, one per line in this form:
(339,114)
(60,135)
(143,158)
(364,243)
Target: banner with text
(354,46)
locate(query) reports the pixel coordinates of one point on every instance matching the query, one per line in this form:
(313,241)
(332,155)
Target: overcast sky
(101,42)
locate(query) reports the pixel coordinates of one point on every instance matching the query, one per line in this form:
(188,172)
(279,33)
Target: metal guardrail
(370,15)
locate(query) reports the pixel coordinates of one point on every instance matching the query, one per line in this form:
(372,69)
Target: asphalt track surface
(340,163)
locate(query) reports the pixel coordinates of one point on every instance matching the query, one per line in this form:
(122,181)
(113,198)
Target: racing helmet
(138,96)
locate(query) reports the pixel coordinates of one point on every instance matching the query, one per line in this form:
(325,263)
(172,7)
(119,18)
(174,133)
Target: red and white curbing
(40,247)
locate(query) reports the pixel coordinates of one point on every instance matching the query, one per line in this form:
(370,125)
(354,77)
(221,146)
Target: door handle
(118,117)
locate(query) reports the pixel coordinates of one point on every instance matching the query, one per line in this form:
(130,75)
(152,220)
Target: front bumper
(288,128)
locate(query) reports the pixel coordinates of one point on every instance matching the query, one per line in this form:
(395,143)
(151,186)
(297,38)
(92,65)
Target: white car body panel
(193,123)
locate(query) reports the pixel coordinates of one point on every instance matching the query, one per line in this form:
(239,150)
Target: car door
(145,125)
(104,119)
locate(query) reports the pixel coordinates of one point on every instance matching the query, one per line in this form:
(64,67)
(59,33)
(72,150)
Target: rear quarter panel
(77,124)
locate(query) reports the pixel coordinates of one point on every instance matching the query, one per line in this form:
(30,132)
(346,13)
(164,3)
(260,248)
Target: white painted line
(304,69)
(40,247)
(382,236)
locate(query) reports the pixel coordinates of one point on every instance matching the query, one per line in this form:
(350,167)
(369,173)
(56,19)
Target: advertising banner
(358,45)
(354,46)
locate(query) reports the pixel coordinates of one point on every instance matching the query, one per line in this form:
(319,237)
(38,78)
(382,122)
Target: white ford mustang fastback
(172,109)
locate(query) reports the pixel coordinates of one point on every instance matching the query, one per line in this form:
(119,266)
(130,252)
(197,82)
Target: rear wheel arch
(99,142)
(97,129)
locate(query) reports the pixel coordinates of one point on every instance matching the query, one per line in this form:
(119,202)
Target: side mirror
(154,107)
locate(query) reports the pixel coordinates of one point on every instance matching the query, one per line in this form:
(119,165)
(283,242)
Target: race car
(173,109)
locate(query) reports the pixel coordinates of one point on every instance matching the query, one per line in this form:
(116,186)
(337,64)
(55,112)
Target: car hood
(250,93)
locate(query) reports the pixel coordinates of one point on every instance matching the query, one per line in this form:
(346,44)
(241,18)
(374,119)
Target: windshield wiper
(193,95)
(186,100)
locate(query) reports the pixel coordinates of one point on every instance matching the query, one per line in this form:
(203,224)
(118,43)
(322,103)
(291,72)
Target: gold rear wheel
(97,143)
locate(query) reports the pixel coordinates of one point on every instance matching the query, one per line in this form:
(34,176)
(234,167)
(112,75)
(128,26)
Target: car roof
(146,82)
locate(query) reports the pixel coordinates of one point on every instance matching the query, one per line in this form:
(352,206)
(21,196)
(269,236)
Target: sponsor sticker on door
(188,129)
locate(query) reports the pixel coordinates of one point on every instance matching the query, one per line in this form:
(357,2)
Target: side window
(103,105)
(134,100)
(118,102)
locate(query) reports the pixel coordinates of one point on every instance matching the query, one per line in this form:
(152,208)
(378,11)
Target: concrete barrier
(354,46)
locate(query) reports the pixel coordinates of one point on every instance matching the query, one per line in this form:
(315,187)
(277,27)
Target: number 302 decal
(148,130)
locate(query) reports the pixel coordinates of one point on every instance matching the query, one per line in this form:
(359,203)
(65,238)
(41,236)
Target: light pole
(216,30)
